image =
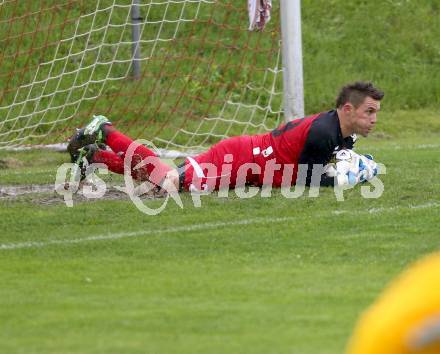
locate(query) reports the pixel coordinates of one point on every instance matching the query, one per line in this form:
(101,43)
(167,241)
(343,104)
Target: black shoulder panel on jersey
(323,139)
(288,126)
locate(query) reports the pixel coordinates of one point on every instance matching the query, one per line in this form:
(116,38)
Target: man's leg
(116,165)
(155,170)
(113,161)
(99,131)
(168,183)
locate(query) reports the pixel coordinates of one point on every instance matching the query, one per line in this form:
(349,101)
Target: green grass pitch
(262,275)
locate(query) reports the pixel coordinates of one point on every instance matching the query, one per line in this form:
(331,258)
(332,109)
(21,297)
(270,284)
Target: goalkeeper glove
(351,168)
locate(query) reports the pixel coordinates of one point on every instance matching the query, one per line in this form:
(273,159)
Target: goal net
(194,74)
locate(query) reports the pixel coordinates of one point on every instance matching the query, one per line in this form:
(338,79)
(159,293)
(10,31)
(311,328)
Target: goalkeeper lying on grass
(300,148)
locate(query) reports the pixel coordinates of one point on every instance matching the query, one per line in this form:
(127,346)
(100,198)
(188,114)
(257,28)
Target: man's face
(364,117)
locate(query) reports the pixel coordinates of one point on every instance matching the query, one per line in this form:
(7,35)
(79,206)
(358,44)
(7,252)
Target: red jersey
(310,140)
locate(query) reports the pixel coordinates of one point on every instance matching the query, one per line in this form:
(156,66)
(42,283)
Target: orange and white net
(203,75)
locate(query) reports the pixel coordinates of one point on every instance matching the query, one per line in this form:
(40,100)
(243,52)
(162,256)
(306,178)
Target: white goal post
(292,58)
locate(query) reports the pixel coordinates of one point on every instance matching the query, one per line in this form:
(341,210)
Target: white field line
(119,235)
(381,210)
(403,147)
(28,172)
(201,227)
(13,191)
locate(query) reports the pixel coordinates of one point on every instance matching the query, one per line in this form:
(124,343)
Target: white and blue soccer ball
(348,167)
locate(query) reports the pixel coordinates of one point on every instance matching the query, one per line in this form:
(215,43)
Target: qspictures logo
(206,178)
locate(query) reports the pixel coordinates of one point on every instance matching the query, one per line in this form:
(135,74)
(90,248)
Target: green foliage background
(393,43)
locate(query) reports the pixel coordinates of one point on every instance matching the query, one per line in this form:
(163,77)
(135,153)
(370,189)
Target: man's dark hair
(356,92)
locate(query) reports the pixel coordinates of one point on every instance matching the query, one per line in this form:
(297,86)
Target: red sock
(116,164)
(112,160)
(119,142)
(155,170)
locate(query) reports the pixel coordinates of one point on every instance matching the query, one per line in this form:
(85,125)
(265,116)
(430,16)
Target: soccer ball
(350,168)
